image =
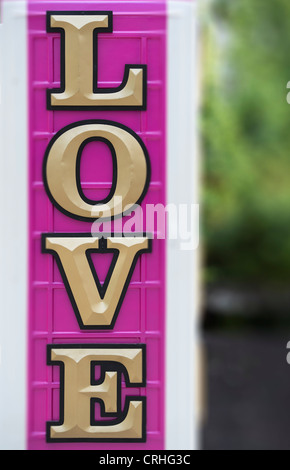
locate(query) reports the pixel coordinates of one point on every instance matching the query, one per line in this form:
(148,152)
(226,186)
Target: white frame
(14,221)
(182,407)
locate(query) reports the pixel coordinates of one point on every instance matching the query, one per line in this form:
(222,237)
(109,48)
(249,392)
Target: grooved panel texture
(139,36)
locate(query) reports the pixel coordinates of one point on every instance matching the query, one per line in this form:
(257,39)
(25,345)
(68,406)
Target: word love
(96,306)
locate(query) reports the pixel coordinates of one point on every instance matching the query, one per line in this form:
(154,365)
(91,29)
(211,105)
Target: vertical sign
(97,96)
(99,321)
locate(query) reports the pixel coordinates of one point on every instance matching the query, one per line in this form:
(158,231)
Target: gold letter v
(93,307)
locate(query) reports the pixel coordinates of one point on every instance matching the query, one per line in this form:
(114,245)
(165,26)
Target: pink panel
(139,36)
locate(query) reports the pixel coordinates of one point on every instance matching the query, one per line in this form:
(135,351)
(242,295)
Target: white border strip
(182,409)
(14,216)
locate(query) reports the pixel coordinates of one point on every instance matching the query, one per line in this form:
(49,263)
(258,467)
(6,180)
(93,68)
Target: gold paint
(78,393)
(79,66)
(94,310)
(61,171)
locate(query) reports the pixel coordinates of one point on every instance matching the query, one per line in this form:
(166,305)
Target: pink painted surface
(139,36)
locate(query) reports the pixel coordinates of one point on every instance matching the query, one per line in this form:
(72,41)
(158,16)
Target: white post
(182,266)
(13,230)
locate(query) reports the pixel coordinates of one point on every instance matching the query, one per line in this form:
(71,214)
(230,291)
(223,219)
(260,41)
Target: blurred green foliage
(246,141)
